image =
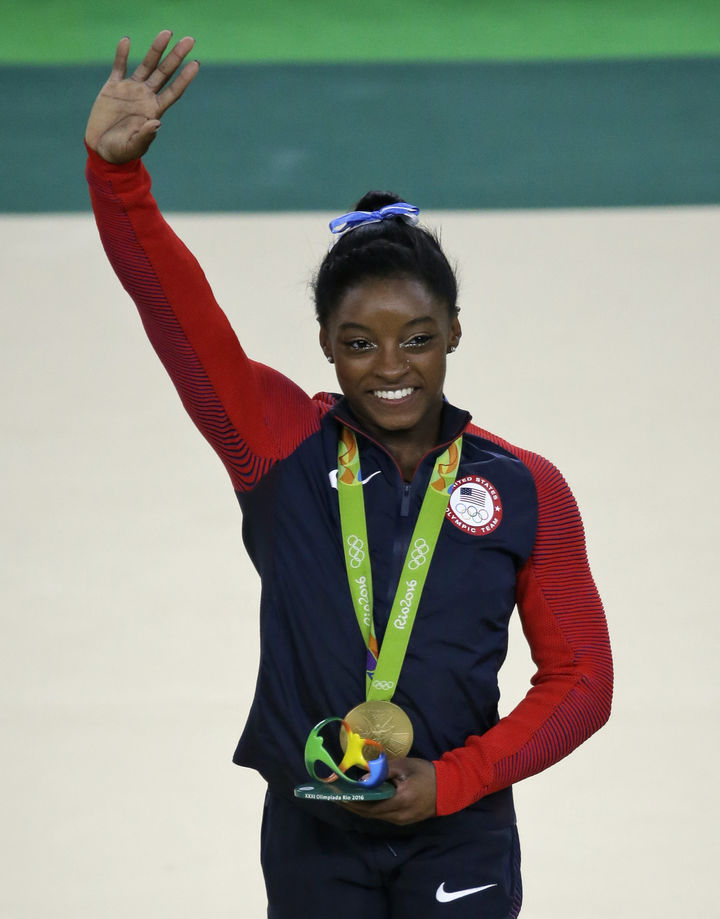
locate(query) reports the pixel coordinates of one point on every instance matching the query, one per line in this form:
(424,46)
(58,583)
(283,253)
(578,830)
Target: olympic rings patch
(475,506)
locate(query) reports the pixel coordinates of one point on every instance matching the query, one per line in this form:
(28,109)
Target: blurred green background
(456,104)
(78,31)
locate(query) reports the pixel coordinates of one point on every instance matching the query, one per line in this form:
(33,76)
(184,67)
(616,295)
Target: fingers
(397,770)
(178,86)
(119,67)
(154,71)
(170,64)
(414,799)
(152,58)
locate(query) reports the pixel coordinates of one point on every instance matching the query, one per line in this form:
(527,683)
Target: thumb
(121,144)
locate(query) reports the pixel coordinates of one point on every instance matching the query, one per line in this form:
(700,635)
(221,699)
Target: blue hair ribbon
(354,219)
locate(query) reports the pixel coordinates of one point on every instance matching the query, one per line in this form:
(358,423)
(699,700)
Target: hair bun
(392,245)
(374,200)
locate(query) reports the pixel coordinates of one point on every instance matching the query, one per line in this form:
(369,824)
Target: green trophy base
(315,790)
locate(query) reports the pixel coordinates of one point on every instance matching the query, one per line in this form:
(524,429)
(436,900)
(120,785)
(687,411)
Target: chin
(393,421)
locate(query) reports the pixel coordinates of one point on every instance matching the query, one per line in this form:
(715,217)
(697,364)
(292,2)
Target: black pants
(452,869)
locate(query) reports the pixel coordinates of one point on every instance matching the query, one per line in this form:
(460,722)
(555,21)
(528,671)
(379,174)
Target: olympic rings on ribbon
(356,550)
(418,556)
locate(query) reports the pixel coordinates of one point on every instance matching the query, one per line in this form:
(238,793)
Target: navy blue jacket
(524,546)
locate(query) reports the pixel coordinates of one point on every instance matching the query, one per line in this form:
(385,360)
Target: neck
(407,457)
(407,448)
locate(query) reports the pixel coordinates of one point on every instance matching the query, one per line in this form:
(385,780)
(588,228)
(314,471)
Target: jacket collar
(452,422)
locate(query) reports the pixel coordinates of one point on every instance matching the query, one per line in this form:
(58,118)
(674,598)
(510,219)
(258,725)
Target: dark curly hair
(386,249)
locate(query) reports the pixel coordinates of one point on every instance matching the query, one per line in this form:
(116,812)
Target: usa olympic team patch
(475,506)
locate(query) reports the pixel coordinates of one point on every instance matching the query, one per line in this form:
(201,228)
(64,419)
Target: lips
(393,395)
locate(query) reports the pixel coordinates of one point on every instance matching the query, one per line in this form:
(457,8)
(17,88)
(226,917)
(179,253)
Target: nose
(392,363)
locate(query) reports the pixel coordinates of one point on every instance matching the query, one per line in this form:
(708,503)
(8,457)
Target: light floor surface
(129,608)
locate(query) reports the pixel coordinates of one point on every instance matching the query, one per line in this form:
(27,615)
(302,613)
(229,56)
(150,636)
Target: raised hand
(126,115)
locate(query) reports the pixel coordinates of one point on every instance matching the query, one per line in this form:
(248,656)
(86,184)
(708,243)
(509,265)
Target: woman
(383,519)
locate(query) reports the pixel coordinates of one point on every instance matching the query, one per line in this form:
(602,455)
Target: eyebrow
(419,320)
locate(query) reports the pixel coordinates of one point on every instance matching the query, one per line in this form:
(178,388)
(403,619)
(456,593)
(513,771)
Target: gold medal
(383,722)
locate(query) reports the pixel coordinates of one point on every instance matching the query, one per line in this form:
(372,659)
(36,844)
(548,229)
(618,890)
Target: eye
(359,344)
(417,341)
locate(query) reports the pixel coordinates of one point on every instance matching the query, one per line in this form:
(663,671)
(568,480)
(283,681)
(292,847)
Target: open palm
(126,115)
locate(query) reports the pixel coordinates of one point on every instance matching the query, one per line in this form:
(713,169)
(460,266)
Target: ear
(325,344)
(455,334)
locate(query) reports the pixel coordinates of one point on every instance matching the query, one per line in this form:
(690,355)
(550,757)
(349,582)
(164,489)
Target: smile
(393,394)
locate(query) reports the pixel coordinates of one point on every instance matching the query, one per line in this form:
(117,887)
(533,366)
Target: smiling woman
(388,339)
(386,301)
(415,573)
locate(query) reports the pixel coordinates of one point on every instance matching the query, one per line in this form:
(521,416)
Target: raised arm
(251,415)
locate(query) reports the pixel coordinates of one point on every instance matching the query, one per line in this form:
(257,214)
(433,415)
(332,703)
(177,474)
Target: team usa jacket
(512,536)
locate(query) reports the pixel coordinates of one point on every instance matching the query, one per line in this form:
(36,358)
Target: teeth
(393,393)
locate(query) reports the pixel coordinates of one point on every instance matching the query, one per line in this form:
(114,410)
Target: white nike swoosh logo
(444,896)
(365,481)
(332,475)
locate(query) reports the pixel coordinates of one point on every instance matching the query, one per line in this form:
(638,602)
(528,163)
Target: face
(389,338)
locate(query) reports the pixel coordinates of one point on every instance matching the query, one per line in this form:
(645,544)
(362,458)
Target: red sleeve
(251,415)
(564,623)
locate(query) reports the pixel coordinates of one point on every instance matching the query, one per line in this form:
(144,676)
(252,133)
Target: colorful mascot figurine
(371,786)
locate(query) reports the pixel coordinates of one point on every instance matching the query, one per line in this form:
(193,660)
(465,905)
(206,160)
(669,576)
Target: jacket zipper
(405,501)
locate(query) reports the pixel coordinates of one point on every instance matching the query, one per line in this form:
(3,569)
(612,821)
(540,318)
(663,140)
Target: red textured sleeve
(564,623)
(250,414)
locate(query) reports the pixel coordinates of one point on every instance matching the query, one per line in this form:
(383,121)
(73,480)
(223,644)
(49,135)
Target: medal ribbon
(383,666)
